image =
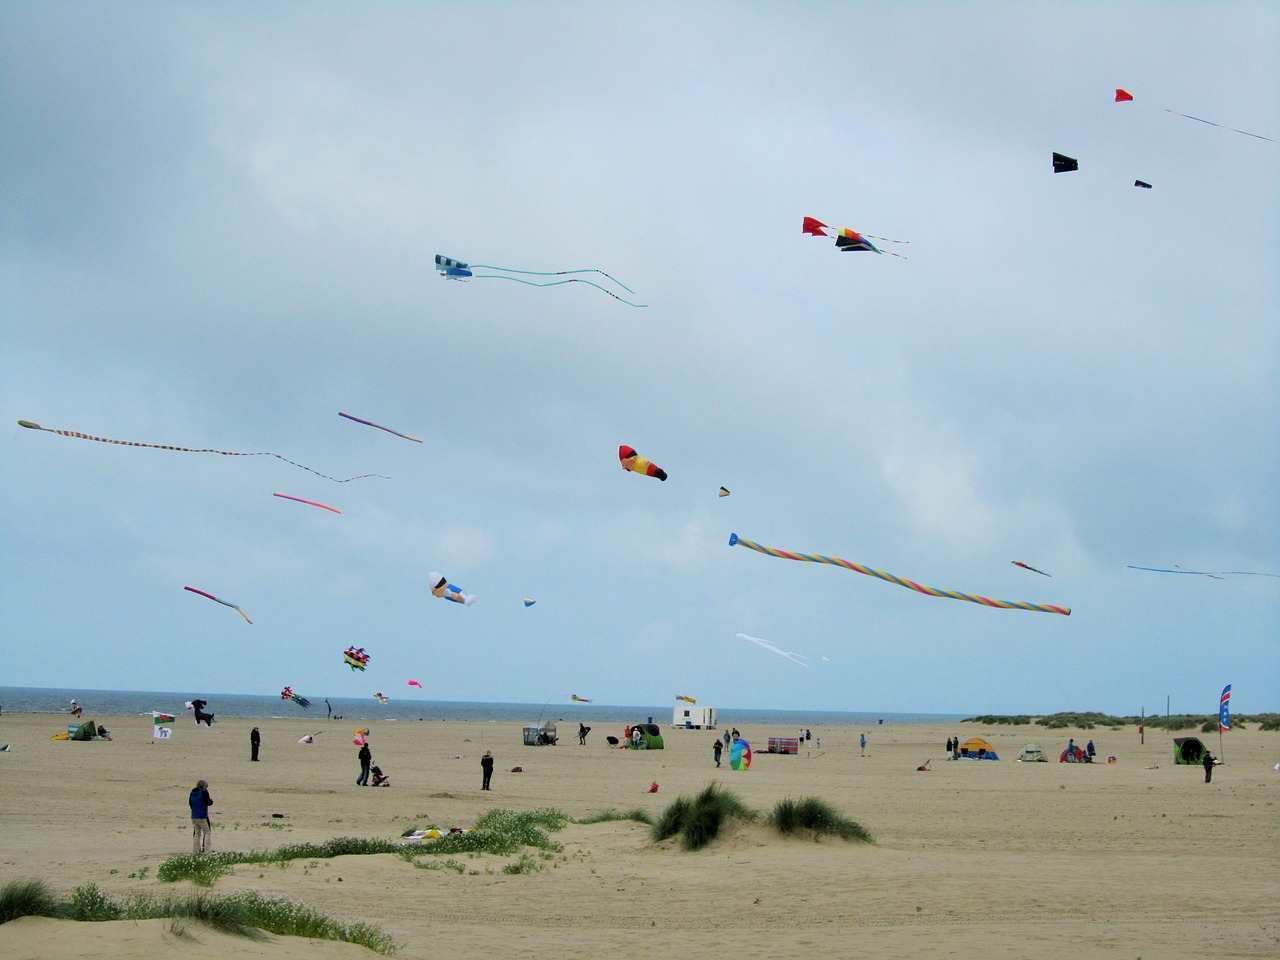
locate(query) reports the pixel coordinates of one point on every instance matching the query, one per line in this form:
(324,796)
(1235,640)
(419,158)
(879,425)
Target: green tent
(650,736)
(1188,750)
(86,731)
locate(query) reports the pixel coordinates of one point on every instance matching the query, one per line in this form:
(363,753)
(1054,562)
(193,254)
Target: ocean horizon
(56,701)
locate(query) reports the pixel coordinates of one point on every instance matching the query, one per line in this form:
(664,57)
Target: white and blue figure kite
(452,269)
(441,587)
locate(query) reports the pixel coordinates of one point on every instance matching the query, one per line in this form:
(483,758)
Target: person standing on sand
(863,741)
(255,739)
(716,749)
(366,758)
(201,828)
(486,766)
(1208,766)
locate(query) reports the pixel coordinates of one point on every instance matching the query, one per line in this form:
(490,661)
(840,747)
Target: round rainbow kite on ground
(740,755)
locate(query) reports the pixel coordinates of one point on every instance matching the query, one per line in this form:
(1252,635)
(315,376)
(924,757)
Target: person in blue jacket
(201,828)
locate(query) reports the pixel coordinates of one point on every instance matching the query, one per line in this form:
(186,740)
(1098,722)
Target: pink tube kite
(310,503)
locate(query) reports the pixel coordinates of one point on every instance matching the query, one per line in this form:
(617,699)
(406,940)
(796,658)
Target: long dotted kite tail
(164,446)
(735,540)
(225,603)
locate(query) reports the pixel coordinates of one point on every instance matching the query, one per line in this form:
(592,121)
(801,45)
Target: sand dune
(973,859)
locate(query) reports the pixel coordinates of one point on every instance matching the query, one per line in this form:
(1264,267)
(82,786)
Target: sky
(218,231)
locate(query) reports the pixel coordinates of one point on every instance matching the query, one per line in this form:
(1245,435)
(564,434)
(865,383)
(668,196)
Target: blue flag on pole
(1224,710)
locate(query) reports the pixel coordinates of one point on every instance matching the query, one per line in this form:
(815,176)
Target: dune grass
(698,820)
(26,898)
(816,817)
(499,832)
(247,914)
(611,815)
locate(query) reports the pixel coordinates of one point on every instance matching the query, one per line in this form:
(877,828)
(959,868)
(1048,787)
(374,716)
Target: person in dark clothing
(201,828)
(255,739)
(486,766)
(1208,766)
(583,730)
(366,758)
(716,749)
(948,745)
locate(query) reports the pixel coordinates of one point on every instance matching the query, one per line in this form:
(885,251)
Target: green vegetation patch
(247,914)
(816,817)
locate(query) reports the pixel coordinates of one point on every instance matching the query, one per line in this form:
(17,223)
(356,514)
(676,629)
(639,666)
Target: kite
(734,540)
(288,694)
(309,739)
(457,270)
(1064,164)
(415,683)
(681,696)
(577,699)
(197,706)
(310,503)
(799,658)
(740,755)
(225,603)
(529,601)
(440,587)
(848,241)
(1124,96)
(164,446)
(356,659)
(1216,574)
(1019,563)
(1143,184)
(724,492)
(360,738)
(637,464)
(380,698)
(369,423)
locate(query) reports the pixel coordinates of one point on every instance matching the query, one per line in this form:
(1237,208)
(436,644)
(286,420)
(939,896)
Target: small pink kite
(309,503)
(415,683)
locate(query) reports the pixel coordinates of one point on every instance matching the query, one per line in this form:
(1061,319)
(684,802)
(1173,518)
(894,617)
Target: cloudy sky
(219,223)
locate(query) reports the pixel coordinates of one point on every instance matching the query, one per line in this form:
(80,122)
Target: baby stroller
(380,779)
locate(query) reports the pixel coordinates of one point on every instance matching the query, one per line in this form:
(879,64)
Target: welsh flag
(161,728)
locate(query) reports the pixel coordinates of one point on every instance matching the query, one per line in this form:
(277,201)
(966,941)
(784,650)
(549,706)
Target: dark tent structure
(86,731)
(1188,750)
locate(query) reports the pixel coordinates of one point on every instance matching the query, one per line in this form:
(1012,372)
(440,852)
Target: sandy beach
(1139,858)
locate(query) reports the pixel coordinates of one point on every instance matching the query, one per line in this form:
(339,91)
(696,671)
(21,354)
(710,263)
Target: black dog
(201,716)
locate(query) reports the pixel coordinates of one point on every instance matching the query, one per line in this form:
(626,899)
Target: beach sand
(995,860)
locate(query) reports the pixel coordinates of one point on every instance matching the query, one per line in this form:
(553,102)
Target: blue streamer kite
(452,269)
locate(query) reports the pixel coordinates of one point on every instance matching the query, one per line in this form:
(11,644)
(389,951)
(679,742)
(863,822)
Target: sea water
(410,708)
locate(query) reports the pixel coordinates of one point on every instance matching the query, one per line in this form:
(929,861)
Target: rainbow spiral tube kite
(735,540)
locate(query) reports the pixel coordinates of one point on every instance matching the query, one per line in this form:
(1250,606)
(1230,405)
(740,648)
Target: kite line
(164,446)
(1206,573)
(735,540)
